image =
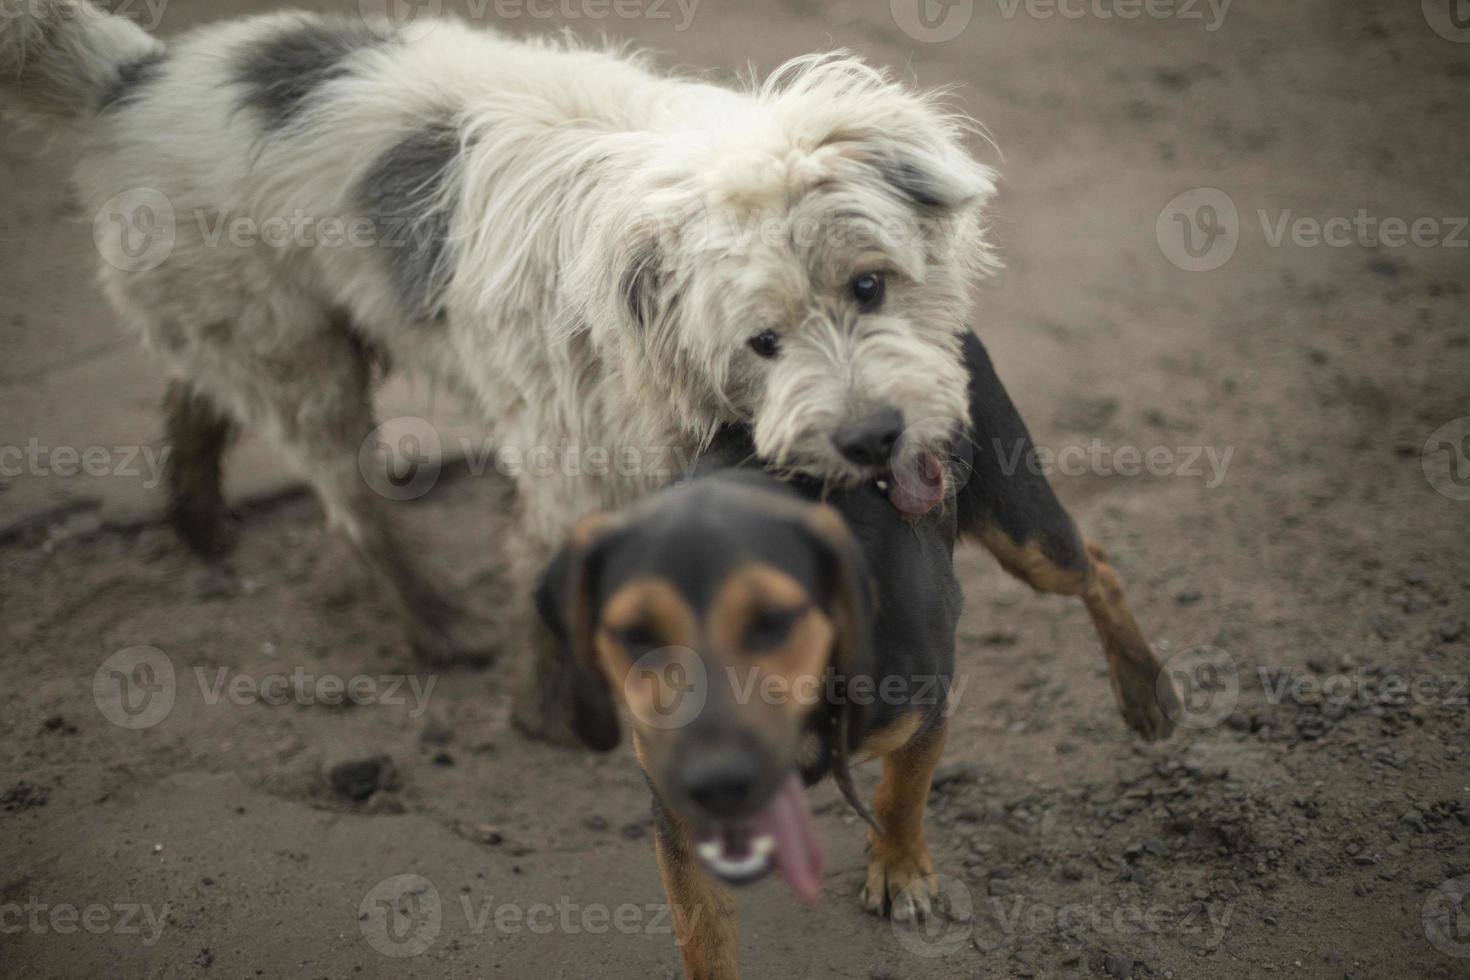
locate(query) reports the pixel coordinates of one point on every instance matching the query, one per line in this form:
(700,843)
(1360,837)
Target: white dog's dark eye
(766,343)
(867,289)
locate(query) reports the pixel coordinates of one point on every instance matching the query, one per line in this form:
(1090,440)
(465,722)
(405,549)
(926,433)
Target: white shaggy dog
(595,254)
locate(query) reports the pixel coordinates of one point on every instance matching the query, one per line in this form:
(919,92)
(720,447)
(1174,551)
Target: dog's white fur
(582,177)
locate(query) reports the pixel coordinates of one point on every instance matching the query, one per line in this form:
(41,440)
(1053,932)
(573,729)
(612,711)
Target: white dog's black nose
(869,441)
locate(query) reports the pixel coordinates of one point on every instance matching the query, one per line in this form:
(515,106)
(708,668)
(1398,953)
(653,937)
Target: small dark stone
(1386,626)
(954,774)
(435,732)
(22,796)
(1385,267)
(361,778)
(596,822)
(633,831)
(1451,631)
(1188,597)
(443,759)
(212,582)
(880,973)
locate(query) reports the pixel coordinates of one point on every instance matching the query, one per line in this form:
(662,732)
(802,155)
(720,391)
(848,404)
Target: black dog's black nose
(720,781)
(869,441)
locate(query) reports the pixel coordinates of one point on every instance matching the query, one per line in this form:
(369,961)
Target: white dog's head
(801,262)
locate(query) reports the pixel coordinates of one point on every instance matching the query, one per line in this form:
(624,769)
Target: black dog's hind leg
(1011,509)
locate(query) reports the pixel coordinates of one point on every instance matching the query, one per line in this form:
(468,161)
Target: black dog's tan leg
(1010,507)
(900,871)
(1148,706)
(703,911)
(198,434)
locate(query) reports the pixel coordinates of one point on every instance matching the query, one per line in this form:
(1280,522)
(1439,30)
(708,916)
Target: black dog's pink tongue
(916,485)
(788,819)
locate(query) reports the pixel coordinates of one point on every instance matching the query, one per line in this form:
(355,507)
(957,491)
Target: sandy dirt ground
(1267,426)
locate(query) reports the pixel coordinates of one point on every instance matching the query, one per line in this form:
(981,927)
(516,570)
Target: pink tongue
(788,819)
(916,485)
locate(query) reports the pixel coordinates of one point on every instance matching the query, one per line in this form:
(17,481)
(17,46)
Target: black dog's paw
(1146,695)
(901,884)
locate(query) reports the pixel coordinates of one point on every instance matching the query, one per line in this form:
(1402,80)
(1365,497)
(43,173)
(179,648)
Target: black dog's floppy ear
(850,591)
(850,601)
(565,600)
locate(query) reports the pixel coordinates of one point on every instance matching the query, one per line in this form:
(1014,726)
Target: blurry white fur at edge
(586,246)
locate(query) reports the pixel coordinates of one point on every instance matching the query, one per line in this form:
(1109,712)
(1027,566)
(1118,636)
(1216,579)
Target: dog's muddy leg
(703,911)
(901,879)
(314,400)
(544,696)
(441,632)
(198,434)
(1011,509)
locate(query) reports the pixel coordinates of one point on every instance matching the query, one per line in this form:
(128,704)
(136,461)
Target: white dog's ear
(937,178)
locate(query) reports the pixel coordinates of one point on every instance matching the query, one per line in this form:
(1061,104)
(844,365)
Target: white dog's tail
(59,59)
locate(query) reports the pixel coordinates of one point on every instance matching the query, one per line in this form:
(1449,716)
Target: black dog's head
(726,616)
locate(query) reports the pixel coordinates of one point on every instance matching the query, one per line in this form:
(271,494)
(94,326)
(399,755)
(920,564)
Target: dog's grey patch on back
(131,77)
(281,72)
(407,197)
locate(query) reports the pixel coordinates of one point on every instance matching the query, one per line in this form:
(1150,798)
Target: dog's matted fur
(594,253)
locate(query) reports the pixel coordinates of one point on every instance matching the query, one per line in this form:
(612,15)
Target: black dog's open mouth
(914,486)
(781,835)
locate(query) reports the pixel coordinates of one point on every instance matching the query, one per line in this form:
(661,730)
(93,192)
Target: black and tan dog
(759,638)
